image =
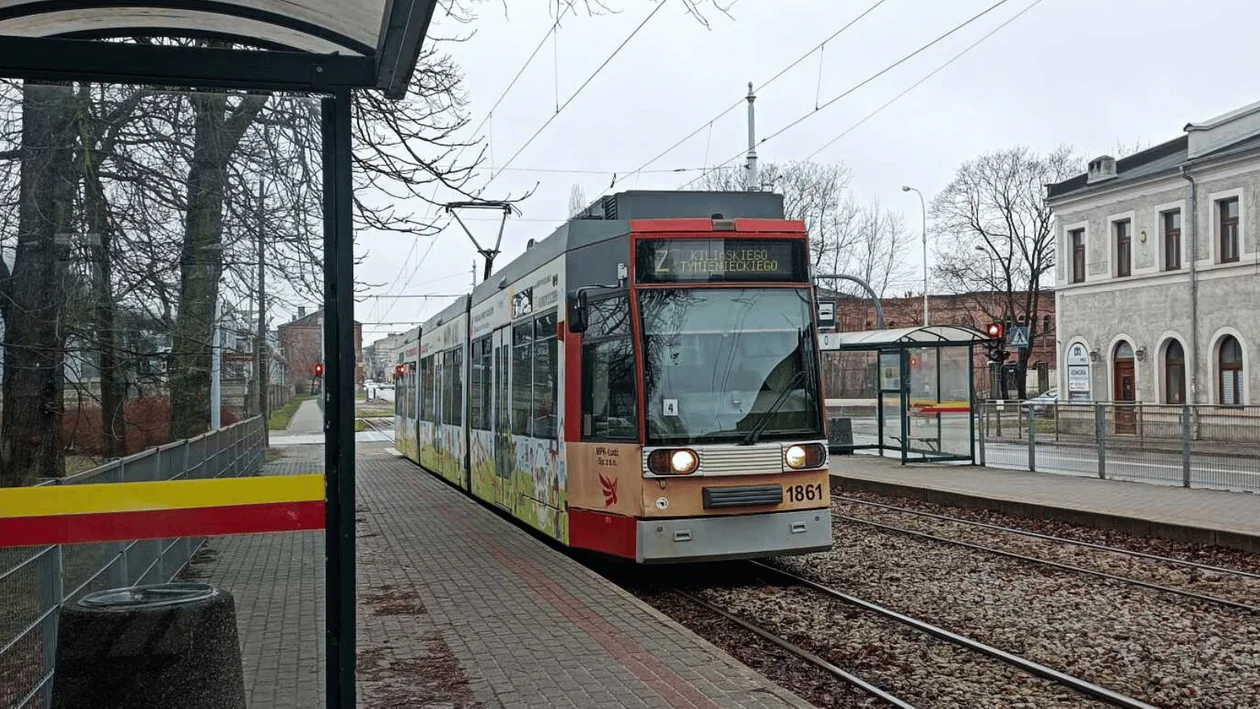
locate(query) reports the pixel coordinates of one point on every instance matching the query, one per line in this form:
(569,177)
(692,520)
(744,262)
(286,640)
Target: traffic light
(995,330)
(318,369)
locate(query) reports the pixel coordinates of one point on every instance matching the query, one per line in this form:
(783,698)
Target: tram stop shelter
(907,391)
(315,52)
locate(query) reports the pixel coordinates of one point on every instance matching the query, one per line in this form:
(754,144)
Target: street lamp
(923,208)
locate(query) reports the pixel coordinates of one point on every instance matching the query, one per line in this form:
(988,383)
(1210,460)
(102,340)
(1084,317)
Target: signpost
(1018,337)
(1078,373)
(826,314)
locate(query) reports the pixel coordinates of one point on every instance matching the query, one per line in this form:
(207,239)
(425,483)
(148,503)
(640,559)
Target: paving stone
(458,607)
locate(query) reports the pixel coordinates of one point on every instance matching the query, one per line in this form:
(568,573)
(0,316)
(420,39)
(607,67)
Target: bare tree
(844,236)
(577,200)
(996,234)
(32,298)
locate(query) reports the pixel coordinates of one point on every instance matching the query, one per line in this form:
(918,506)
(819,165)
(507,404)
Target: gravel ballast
(1157,647)
(1241,589)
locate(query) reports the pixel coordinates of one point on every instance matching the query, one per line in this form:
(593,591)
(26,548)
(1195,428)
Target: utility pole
(751,183)
(260,346)
(923,208)
(216,355)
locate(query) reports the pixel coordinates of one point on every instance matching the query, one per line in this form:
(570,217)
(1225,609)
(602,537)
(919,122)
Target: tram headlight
(804,455)
(684,461)
(675,461)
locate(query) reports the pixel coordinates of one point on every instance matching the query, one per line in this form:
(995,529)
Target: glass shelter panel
(161,312)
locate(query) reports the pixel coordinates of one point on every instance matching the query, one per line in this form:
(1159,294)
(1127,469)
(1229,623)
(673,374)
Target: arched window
(1230,368)
(1174,373)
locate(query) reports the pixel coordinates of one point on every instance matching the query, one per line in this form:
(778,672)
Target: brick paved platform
(458,607)
(1210,516)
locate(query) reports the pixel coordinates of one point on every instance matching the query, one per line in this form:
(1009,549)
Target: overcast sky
(1090,73)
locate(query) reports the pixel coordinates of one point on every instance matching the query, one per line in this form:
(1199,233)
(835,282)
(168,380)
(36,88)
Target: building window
(1228,235)
(1124,249)
(1230,384)
(1171,221)
(1174,373)
(1077,237)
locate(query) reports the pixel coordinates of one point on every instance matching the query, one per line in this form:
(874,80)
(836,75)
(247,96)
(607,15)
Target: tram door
(503,454)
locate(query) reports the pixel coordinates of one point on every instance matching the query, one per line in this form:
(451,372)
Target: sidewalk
(1209,516)
(459,607)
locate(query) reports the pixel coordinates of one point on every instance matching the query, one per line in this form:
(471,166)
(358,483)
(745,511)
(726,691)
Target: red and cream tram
(644,383)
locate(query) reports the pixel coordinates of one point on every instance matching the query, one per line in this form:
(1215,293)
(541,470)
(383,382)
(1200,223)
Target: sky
(1093,74)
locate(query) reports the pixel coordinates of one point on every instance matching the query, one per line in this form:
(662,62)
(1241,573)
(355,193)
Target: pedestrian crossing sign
(1018,337)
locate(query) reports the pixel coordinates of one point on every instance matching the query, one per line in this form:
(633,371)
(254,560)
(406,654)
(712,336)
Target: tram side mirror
(577,313)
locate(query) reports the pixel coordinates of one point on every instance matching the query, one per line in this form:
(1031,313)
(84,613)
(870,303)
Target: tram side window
(479,385)
(452,387)
(522,377)
(544,406)
(398,396)
(609,405)
(427,410)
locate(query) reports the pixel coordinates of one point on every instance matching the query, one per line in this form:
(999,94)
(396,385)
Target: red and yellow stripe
(71,514)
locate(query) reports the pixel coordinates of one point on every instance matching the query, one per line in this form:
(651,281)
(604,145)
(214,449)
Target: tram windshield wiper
(755,432)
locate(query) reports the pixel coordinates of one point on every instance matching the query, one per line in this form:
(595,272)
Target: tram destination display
(703,260)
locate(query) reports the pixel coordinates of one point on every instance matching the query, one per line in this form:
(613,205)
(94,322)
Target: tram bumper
(733,537)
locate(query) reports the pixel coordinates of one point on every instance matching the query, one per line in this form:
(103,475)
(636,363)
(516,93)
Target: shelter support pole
(339,580)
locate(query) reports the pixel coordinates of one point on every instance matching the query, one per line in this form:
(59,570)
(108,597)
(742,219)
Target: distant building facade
(380,357)
(1159,270)
(301,349)
(967,309)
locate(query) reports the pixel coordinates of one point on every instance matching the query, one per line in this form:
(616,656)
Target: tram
(644,383)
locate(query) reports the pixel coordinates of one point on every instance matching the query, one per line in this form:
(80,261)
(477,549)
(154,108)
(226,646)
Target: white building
(1158,295)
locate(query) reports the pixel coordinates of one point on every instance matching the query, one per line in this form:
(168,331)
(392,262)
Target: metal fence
(1192,446)
(35,582)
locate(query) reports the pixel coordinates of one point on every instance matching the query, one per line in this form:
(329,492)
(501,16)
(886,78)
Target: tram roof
(874,339)
(609,217)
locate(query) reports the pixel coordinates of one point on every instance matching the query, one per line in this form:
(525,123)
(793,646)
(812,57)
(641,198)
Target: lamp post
(923,209)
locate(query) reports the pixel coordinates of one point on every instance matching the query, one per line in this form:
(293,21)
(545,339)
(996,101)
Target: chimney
(1101,168)
(302,310)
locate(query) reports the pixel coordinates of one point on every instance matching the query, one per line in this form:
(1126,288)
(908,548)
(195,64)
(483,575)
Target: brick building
(855,314)
(300,347)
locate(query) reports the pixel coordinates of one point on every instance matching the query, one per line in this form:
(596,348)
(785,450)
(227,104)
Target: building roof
(1169,157)
(309,320)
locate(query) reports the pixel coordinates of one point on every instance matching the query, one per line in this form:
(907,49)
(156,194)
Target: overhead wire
(555,25)
(916,84)
(575,94)
(709,123)
(860,84)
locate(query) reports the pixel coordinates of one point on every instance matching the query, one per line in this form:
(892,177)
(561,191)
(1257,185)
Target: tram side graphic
(644,383)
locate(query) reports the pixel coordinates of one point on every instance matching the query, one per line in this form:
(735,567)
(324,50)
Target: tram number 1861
(801,493)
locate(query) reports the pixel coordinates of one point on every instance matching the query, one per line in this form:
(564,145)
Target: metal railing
(1192,446)
(35,582)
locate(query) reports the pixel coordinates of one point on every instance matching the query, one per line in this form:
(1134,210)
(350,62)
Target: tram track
(1076,684)
(797,651)
(887,656)
(933,535)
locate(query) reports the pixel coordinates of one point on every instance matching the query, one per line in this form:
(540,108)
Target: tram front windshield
(726,365)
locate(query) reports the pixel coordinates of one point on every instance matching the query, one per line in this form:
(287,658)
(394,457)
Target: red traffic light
(995,330)
(318,369)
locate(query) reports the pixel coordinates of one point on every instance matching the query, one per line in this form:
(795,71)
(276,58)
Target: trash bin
(165,645)
(840,434)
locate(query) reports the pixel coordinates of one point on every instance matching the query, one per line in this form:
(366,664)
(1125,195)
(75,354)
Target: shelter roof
(324,43)
(909,336)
